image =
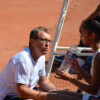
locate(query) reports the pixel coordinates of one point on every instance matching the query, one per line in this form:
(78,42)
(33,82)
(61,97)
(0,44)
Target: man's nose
(47,44)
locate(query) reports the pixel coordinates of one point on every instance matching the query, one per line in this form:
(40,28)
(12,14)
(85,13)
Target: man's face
(42,43)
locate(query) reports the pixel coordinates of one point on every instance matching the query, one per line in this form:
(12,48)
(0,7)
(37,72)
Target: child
(90,35)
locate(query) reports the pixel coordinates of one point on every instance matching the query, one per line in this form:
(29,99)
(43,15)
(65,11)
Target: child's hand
(75,64)
(63,74)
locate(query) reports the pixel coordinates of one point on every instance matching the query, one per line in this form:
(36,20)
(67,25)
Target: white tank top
(91,71)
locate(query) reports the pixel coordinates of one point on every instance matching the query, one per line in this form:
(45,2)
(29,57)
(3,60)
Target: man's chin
(45,52)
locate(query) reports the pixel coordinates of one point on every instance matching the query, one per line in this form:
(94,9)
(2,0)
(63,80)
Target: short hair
(35,32)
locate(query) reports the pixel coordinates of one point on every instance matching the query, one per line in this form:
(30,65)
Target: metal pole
(57,36)
(80,48)
(79,54)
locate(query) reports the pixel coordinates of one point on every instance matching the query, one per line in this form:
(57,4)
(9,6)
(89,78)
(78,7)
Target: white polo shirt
(21,69)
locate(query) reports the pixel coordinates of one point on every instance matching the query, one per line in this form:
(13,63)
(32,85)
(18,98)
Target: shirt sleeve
(43,71)
(22,73)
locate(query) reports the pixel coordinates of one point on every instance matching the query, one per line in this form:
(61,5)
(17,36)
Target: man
(26,69)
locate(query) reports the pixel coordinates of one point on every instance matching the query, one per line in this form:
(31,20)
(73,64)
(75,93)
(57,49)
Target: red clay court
(18,17)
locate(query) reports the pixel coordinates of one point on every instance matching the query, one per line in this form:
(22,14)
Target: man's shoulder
(22,55)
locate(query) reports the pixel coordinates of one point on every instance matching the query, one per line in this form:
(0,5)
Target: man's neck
(35,55)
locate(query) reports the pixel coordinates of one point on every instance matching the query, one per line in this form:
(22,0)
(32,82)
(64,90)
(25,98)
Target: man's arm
(45,84)
(24,92)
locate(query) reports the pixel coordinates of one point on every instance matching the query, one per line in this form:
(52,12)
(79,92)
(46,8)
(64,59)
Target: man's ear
(31,41)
